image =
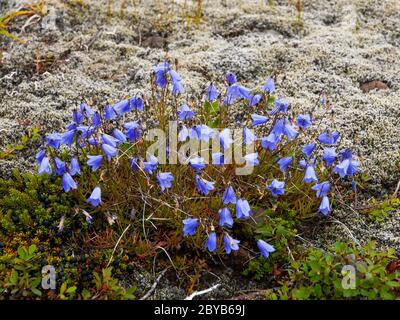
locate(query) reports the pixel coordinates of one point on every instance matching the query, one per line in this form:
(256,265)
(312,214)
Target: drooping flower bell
(95,162)
(329,156)
(277,187)
(329,138)
(211,93)
(284,163)
(190,226)
(95,197)
(258,119)
(269,86)
(197,164)
(324,208)
(265,248)
(322,188)
(230,244)
(243,210)
(229,196)
(225,218)
(308,149)
(45,166)
(211,243)
(68,182)
(185,113)
(165,180)
(204,186)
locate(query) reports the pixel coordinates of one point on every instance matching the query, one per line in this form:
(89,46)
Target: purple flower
(270,142)
(230,244)
(197,164)
(225,138)
(190,226)
(151,164)
(77,117)
(120,136)
(303,163)
(304,121)
(59,166)
(280,105)
(165,179)
(211,243)
(229,196)
(265,248)
(67,138)
(136,103)
(53,140)
(284,163)
(289,131)
(74,167)
(235,92)
(248,136)
(133,130)
(328,138)
(329,156)
(195,132)
(277,188)
(230,78)
(86,110)
(324,208)
(161,72)
(243,210)
(96,120)
(279,128)
(257,119)
(110,140)
(310,175)
(204,186)
(109,113)
(252,159)
(93,141)
(109,151)
(185,113)
(225,218)
(40,155)
(346,167)
(269,86)
(95,197)
(254,99)
(45,166)
(122,107)
(176,82)
(67,182)
(95,162)
(308,149)
(211,93)
(322,188)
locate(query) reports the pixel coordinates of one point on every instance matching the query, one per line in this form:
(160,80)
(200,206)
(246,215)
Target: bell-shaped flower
(197,164)
(132,130)
(122,107)
(109,151)
(280,105)
(151,164)
(229,196)
(324,208)
(329,156)
(190,226)
(257,119)
(109,113)
(308,149)
(165,180)
(265,248)
(59,166)
(211,93)
(185,113)
(230,78)
(204,186)
(45,166)
(68,182)
(289,131)
(74,167)
(110,140)
(277,188)
(40,155)
(95,197)
(230,244)
(284,163)
(176,80)
(243,210)
(328,138)
(161,72)
(225,218)
(67,138)
(53,140)
(211,243)
(136,103)
(310,175)
(304,121)
(269,86)
(119,135)
(322,188)
(95,162)
(270,142)
(254,99)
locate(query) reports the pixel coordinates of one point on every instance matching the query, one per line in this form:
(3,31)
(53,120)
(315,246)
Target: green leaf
(32,249)
(37,292)
(21,252)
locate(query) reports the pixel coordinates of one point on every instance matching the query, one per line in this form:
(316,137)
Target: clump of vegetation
(342,272)
(108,163)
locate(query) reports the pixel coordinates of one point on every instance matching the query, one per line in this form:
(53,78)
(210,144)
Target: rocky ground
(348,50)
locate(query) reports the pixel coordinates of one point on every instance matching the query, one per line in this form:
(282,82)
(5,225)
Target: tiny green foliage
(319,274)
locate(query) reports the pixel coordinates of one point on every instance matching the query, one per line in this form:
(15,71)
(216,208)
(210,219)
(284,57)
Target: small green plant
(318,274)
(27,140)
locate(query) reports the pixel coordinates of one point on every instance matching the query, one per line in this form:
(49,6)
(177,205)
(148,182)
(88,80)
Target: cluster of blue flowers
(101,135)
